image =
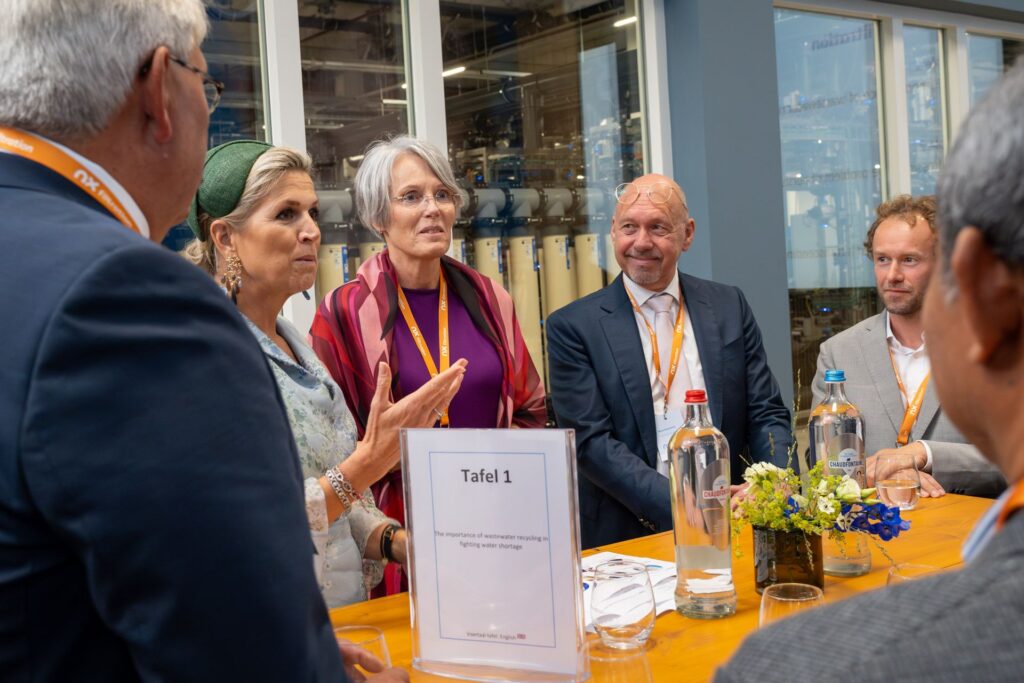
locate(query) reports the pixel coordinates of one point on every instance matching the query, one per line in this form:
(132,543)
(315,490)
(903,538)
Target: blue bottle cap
(835,376)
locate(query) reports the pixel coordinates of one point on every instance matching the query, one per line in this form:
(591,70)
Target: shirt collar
(895,344)
(122,194)
(642,295)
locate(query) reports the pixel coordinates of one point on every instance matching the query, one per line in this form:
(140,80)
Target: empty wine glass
(904,572)
(897,480)
(781,600)
(370,638)
(622,604)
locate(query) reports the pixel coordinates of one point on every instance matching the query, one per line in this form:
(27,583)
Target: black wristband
(386,538)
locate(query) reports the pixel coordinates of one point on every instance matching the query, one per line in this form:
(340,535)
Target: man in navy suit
(152,524)
(622,359)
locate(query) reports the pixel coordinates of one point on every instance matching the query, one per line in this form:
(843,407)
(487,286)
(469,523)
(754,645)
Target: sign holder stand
(495,584)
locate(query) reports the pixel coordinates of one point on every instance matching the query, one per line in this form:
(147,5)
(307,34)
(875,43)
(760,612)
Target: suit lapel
(620,330)
(875,350)
(709,342)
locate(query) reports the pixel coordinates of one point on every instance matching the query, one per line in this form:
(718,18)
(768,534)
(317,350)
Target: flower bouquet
(789,515)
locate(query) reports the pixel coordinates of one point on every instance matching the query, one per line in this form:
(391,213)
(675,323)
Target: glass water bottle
(837,439)
(699,476)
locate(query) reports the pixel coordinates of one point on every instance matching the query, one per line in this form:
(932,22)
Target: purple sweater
(476,404)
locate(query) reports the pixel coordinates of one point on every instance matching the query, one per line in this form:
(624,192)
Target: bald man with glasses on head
(622,359)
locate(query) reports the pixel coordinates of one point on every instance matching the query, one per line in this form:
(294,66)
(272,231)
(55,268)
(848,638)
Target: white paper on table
(663,581)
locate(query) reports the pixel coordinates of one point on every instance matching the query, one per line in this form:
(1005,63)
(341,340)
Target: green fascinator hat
(225,171)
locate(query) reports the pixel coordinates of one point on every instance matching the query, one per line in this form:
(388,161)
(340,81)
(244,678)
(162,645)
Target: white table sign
(494,553)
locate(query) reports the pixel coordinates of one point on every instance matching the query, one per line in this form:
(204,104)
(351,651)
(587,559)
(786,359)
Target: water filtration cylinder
(525,289)
(457,250)
(367,250)
(332,269)
(488,258)
(559,270)
(589,270)
(589,273)
(610,264)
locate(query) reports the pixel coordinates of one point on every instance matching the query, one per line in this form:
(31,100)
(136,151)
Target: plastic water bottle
(699,476)
(837,439)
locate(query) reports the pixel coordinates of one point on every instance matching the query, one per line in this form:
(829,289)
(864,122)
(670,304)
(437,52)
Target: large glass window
(988,57)
(232,51)
(926,121)
(353,80)
(545,119)
(832,174)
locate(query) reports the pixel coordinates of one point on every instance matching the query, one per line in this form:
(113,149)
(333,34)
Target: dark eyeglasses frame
(212,96)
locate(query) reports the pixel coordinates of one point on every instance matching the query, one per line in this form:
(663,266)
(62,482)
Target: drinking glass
(781,600)
(902,573)
(370,638)
(622,604)
(897,480)
(614,665)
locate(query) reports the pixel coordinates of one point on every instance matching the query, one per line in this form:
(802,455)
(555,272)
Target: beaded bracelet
(342,489)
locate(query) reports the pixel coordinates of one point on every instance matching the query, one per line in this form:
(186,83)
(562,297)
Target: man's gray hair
(373,179)
(67,66)
(982,181)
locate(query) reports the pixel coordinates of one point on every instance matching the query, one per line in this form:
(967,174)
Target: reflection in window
(988,58)
(832,174)
(232,51)
(353,82)
(925,120)
(544,121)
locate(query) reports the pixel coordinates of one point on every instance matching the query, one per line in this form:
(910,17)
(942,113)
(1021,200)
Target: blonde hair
(263,177)
(905,207)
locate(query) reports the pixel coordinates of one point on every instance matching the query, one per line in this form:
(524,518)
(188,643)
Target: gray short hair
(981,183)
(373,179)
(68,65)
(264,175)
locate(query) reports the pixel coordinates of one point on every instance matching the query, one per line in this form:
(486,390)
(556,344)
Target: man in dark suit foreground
(965,625)
(624,399)
(152,524)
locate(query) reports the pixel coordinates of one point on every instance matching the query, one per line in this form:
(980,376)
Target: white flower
(827,505)
(759,470)
(800,500)
(822,487)
(848,490)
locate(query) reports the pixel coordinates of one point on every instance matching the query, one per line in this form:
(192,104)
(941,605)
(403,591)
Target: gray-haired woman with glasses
(405,191)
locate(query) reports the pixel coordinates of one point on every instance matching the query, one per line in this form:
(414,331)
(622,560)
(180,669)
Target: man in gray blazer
(964,625)
(887,365)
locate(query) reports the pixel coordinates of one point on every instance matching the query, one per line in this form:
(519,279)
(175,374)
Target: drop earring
(231,280)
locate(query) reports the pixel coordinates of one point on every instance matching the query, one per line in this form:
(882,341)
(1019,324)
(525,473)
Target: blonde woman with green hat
(255,221)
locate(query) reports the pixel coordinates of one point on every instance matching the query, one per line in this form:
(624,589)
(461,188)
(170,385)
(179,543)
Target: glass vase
(787,557)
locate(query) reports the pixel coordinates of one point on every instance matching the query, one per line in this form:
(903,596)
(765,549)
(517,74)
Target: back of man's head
(980,185)
(974,309)
(68,65)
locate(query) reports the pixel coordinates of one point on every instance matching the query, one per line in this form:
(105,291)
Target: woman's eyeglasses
(414,198)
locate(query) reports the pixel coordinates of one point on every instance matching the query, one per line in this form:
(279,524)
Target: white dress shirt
(690,355)
(100,173)
(913,366)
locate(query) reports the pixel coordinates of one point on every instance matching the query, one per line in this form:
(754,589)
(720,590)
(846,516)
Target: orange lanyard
(60,162)
(677,344)
(442,334)
(1013,503)
(913,407)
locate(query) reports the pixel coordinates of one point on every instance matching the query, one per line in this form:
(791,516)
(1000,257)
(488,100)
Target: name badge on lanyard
(667,423)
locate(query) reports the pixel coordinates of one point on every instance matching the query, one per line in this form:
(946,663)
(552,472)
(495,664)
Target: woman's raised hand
(422,408)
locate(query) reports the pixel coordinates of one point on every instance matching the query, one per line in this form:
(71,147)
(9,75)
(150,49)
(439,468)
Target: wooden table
(684,649)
